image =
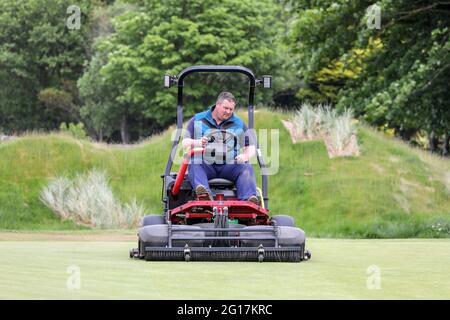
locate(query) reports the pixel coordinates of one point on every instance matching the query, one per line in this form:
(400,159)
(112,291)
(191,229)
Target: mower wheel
(134,253)
(157,235)
(284,220)
(152,219)
(307,255)
(287,237)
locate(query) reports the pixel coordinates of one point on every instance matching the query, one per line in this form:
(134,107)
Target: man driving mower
(232,226)
(219,126)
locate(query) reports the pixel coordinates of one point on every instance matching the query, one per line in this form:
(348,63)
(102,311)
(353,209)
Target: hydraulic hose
(180,176)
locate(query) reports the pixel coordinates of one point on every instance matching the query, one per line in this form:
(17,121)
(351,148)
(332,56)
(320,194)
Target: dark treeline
(389,63)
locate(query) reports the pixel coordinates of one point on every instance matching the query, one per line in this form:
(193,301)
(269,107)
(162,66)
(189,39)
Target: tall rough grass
(307,123)
(88,200)
(322,122)
(341,135)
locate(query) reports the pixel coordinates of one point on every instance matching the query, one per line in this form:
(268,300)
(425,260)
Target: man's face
(224,110)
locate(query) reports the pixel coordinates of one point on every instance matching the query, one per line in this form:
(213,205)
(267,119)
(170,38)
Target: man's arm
(188,141)
(248,153)
(249,150)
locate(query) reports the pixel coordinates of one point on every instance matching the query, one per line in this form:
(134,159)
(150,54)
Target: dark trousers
(241,174)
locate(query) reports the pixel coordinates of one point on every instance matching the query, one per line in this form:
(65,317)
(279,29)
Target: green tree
(165,37)
(99,110)
(40,61)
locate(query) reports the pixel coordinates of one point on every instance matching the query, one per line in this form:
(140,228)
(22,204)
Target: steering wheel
(220,143)
(221,136)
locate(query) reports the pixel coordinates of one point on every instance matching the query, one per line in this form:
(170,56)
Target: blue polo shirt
(237,132)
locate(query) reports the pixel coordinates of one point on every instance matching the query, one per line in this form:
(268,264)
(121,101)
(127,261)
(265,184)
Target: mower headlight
(267,82)
(167,81)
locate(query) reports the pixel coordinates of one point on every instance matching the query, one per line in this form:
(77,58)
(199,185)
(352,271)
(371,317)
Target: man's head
(224,106)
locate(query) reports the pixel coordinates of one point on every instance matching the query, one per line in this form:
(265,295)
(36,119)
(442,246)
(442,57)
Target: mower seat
(219,182)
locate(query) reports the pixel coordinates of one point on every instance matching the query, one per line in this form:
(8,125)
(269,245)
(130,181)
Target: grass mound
(389,191)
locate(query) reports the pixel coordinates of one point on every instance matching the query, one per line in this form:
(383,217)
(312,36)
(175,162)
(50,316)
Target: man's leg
(243,176)
(199,174)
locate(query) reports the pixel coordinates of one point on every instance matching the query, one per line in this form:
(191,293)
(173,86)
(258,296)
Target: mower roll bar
(170,80)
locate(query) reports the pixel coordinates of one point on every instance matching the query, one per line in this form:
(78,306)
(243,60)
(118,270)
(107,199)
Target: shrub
(75,130)
(440,228)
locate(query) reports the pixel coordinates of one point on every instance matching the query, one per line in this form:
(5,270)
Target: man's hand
(189,143)
(248,153)
(202,142)
(242,158)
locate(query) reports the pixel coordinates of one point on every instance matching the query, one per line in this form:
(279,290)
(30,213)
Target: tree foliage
(165,37)
(108,74)
(40,61)
(402,80)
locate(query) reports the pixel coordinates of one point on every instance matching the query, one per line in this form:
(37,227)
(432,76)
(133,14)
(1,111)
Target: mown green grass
(339,269)
(390,191)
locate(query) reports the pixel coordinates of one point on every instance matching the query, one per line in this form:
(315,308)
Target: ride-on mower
(225,228)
